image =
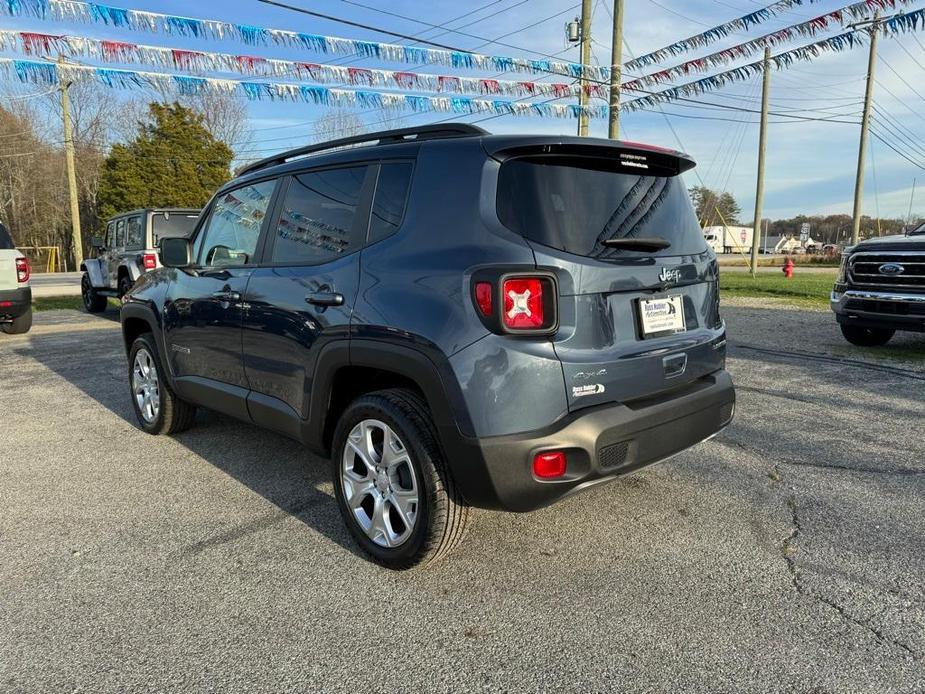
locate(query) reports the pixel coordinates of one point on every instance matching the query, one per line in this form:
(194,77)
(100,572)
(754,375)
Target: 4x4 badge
(667,275)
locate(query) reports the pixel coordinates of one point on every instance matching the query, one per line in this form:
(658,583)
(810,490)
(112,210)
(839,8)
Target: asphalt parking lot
(787,554)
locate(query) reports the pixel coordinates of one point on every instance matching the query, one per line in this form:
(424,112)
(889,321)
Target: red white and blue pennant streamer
(120,52)
(811,27)
(158,23)
(893,26)
(48,73)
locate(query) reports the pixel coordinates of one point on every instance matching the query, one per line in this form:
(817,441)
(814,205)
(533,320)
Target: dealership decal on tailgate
(662,315)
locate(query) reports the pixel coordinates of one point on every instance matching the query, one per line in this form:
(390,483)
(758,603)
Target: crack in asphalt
(788,551)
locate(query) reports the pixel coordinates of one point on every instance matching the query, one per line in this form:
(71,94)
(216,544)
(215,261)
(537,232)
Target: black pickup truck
(880,288)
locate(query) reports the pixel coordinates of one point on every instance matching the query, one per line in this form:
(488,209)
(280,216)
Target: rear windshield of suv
(6,241)
(575,203)
(166,225)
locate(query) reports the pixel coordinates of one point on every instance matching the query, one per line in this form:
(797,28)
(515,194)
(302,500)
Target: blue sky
(810,165)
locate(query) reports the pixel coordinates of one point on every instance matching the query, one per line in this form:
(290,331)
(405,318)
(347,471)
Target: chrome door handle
(325,299)
(226,295)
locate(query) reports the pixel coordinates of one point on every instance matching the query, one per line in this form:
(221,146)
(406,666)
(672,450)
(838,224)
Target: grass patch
(812,288)
(57,303)
(810,260)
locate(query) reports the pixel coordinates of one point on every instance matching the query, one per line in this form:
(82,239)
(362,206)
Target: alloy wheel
(145,386)
(379,483)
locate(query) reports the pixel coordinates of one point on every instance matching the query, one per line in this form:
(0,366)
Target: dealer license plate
(662,315)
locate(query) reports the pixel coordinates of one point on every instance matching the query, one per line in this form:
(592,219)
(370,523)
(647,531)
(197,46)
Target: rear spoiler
(628,157)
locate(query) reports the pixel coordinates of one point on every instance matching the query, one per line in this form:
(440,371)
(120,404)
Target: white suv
(15,292)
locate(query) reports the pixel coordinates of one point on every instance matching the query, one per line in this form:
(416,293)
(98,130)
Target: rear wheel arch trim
(403,361)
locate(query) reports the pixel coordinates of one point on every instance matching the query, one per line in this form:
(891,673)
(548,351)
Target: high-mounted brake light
(549,465)
(483,298)
(23,271)
(149,260)
(523,303)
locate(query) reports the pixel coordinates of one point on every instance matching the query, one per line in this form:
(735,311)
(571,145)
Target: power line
(407,37)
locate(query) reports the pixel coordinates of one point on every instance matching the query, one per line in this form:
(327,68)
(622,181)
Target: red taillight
(5,304)
(549,465)
(23,271)
(523,303)
(149,260)
(483,298)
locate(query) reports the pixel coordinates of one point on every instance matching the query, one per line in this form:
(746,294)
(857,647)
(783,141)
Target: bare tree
(225,116)
(337,123)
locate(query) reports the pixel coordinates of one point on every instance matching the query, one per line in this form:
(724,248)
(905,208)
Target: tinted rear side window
(316,223)
(574,203)
(389,203)
(6,241)
(171,225)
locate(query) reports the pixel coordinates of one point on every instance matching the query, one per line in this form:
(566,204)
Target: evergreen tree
(174,161)
(714,208)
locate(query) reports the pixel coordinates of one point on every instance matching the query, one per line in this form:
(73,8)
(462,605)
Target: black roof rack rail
(424,132)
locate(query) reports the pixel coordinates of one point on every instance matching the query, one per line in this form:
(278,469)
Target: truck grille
(865,269)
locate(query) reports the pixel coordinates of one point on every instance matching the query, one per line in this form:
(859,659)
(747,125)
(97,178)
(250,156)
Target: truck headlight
(842,276)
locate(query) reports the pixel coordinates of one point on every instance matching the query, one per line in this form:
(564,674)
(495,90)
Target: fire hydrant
(788,268)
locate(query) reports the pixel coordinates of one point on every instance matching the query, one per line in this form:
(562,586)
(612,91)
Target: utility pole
(585,61)
(76,240)
(762,146)
(616,69)
(865,122)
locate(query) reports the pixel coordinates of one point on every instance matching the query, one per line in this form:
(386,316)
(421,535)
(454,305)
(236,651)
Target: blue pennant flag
(317,95)
(313,42)
(252,35)
(414,55)
(189,86)
(184,26)
(418,104)
(109,15)
(31,71)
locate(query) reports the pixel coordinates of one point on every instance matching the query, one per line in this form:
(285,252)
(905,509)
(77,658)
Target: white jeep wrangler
(128,250)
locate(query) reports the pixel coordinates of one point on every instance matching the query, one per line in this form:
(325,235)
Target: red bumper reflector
(483,297)
(549,465)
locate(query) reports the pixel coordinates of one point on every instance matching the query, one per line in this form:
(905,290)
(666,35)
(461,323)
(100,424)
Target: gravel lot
(788,554)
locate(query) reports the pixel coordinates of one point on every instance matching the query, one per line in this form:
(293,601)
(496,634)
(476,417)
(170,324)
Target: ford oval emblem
(891,269)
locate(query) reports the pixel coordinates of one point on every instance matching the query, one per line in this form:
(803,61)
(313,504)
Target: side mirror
(96,243)
(175,252)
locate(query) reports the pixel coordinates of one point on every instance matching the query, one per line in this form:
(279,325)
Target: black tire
(174,415)
(20,325)
(867,337)
(441,516)
(93,302)
(125,284)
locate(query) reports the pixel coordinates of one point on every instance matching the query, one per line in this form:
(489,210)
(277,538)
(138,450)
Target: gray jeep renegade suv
(455,318)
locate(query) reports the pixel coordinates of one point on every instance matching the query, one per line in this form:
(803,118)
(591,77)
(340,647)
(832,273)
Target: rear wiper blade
(646,245)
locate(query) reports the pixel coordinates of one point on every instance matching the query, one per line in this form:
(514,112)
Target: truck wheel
(124,285)
(392,484)
(867,337)
(156,406)
(20,325)
(93,302)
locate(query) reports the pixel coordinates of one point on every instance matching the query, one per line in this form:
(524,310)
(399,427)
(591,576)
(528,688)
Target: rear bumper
(15,302)
(600,443)
(876,309)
